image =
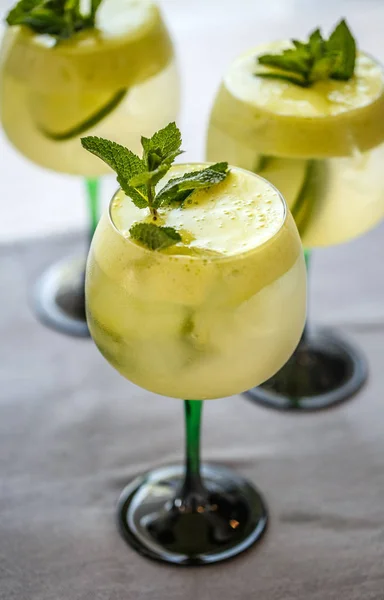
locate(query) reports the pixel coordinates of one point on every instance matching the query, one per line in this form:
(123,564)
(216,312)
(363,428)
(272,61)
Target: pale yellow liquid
(65,85)
(322,147)
(214,315)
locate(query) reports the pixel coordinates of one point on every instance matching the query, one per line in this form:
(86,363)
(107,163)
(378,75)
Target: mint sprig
(180,188)
(314,60)
(124,162)
(58,18)
(138,177)
(154,237)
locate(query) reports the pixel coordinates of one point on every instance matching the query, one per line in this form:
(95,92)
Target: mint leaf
(291,78)
(138,178)
(124,162)
(313,60)
(73,16)
(150,178)
(45,21)
(322,68)
(154,237)
(137,195)
(221,167)
(316,45)
(160,152)
(94,6)
(164,145)
(296,61)
(22,8)
(58,18)
(343,44)
(120,159)
(179,188)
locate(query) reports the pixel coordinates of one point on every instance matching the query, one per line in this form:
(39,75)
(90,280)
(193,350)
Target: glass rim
(207,258)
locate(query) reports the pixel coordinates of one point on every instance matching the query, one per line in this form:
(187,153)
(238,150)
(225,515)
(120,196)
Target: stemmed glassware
(321,143)
(117,78)
(193,321)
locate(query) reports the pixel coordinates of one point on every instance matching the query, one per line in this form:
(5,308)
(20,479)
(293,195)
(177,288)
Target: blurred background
(207,34)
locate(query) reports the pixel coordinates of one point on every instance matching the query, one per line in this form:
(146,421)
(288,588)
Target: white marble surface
(207,34)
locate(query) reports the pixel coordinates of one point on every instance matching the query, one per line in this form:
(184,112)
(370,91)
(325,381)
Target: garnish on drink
(309,117)
(195,288)
(60,19)
(70,68)
(138,178)
(315,60)
(190,248)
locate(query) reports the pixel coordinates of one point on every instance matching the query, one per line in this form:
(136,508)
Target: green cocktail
(318,136)
(193,276)
(65,74)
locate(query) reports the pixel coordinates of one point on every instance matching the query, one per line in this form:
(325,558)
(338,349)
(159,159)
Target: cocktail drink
(182,322)
(109,72)
(309,117)
(184,295)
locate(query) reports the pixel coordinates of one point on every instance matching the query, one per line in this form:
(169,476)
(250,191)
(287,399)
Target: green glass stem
(193,483)
(307,258)
(92,186)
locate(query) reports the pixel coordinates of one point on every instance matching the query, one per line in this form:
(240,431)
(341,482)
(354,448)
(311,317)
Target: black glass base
(324,371)
(59,300)
(207,526)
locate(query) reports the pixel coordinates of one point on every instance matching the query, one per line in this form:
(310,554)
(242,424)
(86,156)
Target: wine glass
(192,321)
(118,80)
(323,148)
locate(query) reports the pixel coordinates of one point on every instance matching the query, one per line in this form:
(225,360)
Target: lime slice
(310,195)
(59,118)
(130,45)
(275,117)
(301,182)
(343,198)
(287,175)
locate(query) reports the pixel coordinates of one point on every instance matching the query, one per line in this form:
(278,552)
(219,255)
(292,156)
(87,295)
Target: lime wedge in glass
(288,175)
(72,85)
(343,198)
(54,115)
